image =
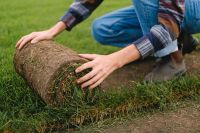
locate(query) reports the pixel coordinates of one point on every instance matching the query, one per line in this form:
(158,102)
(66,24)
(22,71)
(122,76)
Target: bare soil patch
(184,120)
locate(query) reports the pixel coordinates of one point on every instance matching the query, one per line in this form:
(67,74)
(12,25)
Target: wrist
(126,55)
(116,59)
(58,28)
(51,33)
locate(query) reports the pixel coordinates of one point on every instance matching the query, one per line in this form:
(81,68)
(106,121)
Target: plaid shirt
(79,11)
(170,16)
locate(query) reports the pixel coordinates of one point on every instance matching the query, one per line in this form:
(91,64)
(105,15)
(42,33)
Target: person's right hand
(34,38)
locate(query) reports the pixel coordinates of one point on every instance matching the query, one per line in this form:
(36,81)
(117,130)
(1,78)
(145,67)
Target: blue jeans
(122,27)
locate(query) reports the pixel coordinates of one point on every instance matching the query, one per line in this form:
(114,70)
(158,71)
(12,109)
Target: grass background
(20,108)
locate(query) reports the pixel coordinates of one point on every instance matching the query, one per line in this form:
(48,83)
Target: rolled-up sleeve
(170,17)
(79,11)
(158,38)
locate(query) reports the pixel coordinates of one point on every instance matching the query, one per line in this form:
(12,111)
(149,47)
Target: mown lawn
(20,108)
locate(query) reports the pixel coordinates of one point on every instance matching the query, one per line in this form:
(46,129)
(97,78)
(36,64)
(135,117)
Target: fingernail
(76,70)
(82,87)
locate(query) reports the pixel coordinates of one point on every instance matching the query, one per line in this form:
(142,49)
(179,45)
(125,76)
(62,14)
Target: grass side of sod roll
(21,110)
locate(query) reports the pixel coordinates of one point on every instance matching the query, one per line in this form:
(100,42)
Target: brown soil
(185,120)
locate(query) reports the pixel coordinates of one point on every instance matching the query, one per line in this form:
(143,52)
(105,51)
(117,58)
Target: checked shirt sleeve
(170,16)
(79,11)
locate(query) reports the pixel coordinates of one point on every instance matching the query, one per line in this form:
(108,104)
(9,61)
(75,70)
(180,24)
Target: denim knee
(97,30)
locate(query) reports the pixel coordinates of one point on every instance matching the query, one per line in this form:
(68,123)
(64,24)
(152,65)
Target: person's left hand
(102,66)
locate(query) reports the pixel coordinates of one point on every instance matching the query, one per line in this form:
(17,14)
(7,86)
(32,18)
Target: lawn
(19,105)
(21,110)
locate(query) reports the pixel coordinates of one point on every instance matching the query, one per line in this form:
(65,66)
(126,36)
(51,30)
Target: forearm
(125,56)
(57,29)
(156,40)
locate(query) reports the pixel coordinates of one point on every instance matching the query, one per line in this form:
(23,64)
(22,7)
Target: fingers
(101,66)
(97,83)
(24,40)
(84,66)
(19,42)
(87,76)
(88,56)
(92,81)
(36,40)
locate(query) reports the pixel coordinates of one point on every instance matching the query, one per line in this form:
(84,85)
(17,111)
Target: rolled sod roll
(49,69)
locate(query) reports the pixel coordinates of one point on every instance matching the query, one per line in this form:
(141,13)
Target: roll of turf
(49,69)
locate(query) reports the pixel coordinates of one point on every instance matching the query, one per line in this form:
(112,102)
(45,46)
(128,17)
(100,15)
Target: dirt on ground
(184,120)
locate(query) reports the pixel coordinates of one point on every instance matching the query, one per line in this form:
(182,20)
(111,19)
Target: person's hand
(42,35)
(34,38)
(102,66)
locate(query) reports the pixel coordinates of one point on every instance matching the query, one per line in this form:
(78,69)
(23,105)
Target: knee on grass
(101,32)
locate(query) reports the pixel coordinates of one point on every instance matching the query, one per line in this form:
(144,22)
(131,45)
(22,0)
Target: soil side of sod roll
(48,69)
